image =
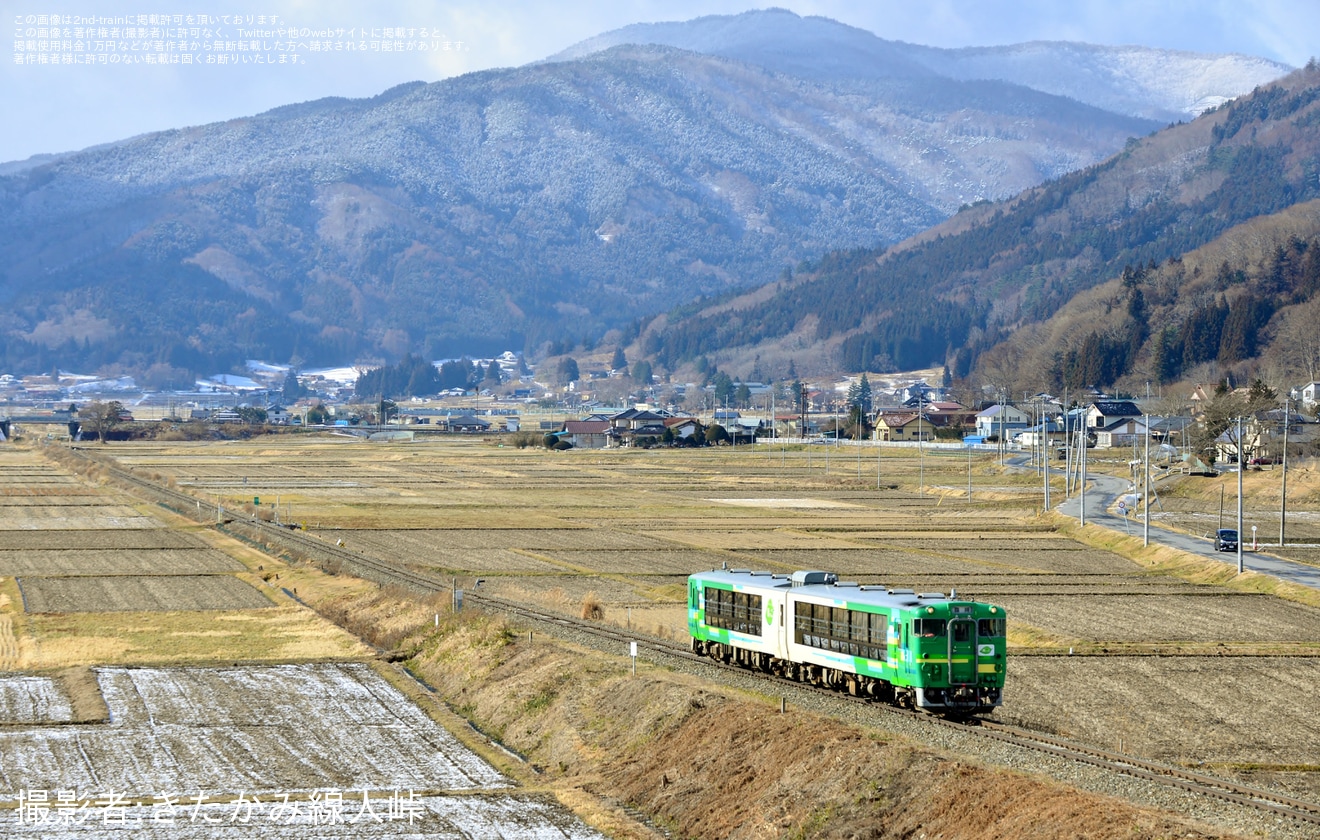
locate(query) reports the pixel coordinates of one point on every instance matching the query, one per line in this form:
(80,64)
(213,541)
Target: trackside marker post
(632,651)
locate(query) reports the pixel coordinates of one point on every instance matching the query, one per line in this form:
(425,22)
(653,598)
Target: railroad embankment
(703,761)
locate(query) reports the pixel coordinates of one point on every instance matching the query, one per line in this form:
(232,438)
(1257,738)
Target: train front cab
(958,657)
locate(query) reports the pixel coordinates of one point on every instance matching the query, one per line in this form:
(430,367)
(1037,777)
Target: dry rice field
(312,743)
(1171,665)
(139,593)
(112,580)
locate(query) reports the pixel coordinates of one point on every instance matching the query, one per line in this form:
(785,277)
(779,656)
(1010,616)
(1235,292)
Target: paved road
(1103,490)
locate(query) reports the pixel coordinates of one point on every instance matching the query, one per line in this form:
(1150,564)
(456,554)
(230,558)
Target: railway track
(1060,747)
(383,572)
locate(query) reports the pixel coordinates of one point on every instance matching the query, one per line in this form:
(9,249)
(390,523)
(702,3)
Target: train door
(962,651)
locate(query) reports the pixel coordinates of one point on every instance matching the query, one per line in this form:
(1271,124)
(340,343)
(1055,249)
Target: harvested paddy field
(81,517)
(1248,718)
(160,591)
(31,700)
(323,734)
(622,529)
(139,593)
(58,563)
(1211,616)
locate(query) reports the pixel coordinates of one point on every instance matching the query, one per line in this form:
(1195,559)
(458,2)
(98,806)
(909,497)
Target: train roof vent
(875,587)
(803,578)
(902,592)
(740,571)
(847,583)
(760,574)
(932,596)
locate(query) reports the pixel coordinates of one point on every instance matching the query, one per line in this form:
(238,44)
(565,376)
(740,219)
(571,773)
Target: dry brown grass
(282,634)
(708,763)
(385,617)
(592,608)
(84,695)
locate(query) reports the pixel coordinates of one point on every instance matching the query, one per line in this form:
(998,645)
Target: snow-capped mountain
(522,206)
(1156,84)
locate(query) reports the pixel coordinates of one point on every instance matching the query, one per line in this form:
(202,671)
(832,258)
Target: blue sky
(52,107)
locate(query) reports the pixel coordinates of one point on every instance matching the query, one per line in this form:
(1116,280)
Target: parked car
(1226,539)
(1261,462)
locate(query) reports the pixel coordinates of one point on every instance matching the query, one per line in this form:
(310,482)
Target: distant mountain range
(549,203)
(1163,85)
(1196,247)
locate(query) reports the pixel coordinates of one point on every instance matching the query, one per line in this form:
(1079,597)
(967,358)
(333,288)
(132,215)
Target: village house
(1126,431)
(1003,420)
(1051,432)
(588,434)
(637,418)
(904,427)
(1308,395)
(1103,413)
(682,427)
(466,424)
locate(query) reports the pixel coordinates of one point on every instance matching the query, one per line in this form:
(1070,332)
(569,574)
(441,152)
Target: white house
(1308,394)
(1003,419)
(1123,432)
(1102,413)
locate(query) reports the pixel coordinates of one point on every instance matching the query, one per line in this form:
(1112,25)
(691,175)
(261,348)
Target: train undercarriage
(955,701)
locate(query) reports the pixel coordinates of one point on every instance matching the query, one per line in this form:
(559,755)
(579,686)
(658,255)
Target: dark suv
(1226,539)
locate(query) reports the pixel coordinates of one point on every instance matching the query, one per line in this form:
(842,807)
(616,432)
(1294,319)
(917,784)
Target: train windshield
(991,627)
(929,628)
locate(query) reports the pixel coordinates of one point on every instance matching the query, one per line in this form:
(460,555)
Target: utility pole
(921,441)
(1283,494)
(1044,452)
(1239,510)
(1081,484)
(969,475)
(1145,481)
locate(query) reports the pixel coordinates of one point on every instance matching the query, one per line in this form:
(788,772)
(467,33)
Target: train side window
(995,627)
(839,623)
(754,615)
(801,622)
(860,628)
(879,624)
(820,624)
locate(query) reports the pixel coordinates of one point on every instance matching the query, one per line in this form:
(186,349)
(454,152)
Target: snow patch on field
(785,503)
(28,700)
(222,731)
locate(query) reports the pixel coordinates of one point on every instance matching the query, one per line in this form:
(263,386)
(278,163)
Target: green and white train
(926,651)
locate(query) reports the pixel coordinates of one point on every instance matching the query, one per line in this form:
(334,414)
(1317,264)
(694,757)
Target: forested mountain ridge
(508,208)
(1242,307)
(959,289)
